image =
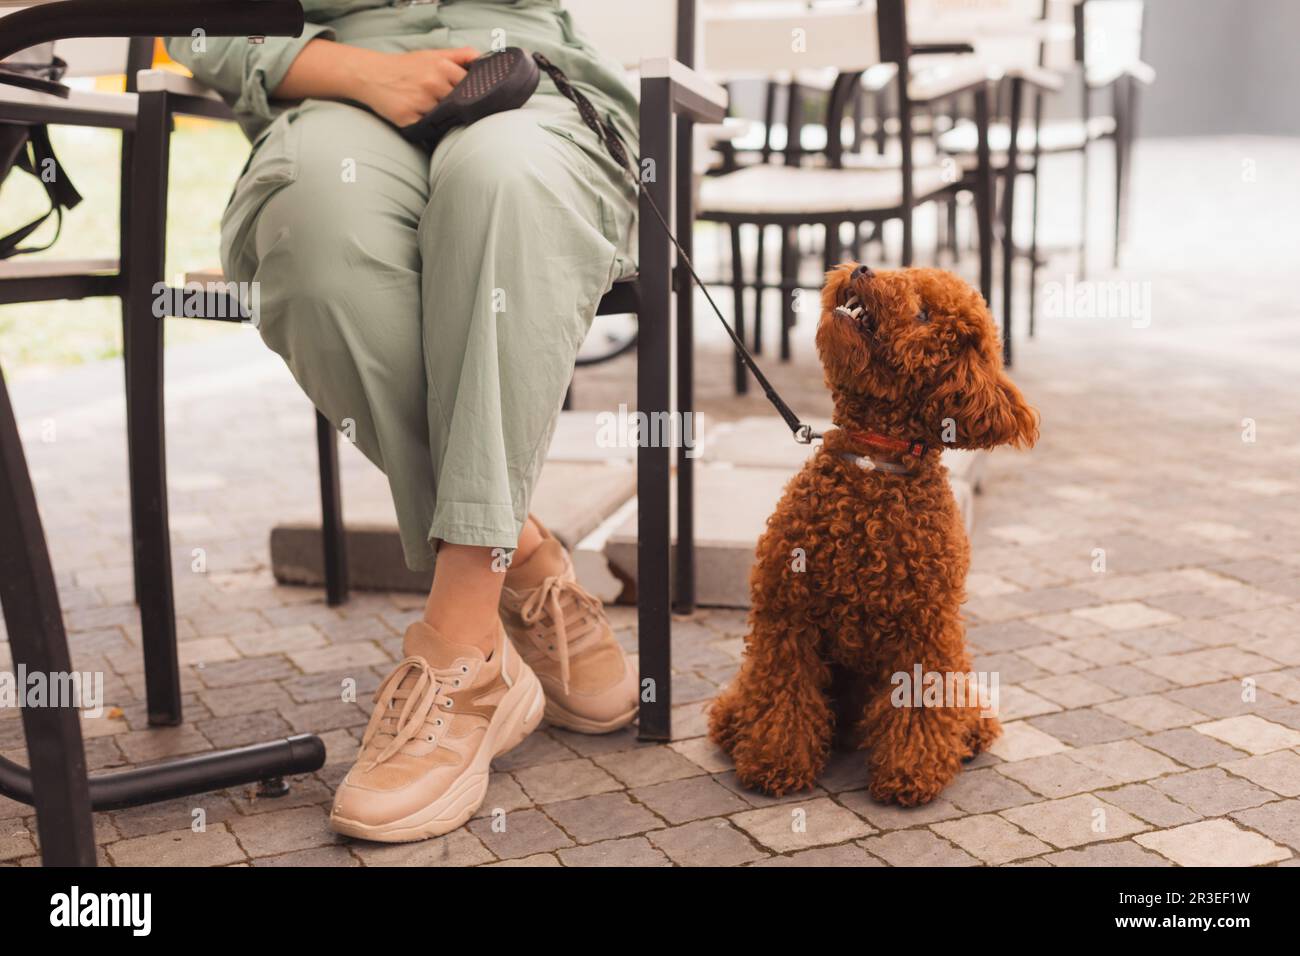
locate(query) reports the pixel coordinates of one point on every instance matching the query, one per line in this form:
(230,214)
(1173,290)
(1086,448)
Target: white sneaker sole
(557,716)
(520,712)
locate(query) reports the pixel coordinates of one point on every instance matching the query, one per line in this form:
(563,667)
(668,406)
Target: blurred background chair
(832,186)
(1096,44)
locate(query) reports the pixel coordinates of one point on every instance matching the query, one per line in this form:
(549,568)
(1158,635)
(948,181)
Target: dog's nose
(862,272)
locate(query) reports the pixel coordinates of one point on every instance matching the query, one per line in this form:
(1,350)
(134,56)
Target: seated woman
(432,308)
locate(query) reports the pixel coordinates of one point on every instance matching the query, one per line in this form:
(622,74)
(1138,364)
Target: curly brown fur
(884,556)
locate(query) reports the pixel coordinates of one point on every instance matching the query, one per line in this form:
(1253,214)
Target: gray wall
(1225,66)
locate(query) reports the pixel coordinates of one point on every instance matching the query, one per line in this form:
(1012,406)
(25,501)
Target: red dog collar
(911,449)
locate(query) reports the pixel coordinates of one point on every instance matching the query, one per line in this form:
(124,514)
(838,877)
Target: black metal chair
(56,782)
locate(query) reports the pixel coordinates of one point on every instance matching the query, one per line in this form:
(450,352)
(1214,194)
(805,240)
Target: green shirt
(245,73)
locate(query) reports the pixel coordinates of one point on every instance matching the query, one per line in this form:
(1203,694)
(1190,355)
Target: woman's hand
(400,87)
(403,87)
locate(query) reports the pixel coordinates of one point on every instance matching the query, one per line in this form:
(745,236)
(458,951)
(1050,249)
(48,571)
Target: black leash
(608,135)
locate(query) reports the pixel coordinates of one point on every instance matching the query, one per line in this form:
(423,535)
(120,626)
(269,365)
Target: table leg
(38,644)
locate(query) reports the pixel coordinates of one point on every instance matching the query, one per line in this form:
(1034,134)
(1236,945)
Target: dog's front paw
(725,725)
(776,749)
(981,735)
(776,773)
(906,787)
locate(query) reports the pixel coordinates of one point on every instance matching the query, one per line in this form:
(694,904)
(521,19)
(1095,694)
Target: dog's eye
(924,315)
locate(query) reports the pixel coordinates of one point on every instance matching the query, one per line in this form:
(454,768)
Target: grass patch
(41,337)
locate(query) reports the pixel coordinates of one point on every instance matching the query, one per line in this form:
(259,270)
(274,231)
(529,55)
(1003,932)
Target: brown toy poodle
(861,572)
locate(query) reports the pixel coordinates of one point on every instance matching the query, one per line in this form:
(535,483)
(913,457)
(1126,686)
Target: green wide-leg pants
(432,307)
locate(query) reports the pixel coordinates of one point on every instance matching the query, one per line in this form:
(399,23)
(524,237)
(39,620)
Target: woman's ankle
(461,625)
(463,604)
(529,538)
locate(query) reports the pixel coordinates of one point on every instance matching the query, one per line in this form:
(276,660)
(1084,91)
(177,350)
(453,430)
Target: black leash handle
(608,135)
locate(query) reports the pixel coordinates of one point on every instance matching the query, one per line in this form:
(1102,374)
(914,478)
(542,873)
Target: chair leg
(334,542)
(124,239)
(739,372)
(144,400)
(1083,222)
(653,396)
(683,584)
(1033,226)
(984,195)
(769,118)
(38,644)
(1009,220)
(759,273)
(1008,262)
(859,118)
(1118,141)
(940,231)
(1119,198)
(831,246)
(954,237)
(1130,137)
(907,255)
(1033,250)
(789,271)
(882,109)
(137,545)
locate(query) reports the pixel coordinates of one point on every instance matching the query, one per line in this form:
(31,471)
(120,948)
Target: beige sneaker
(439,719)
(561,631)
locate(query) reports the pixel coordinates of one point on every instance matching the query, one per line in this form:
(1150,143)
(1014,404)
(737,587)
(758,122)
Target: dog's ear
(976,405)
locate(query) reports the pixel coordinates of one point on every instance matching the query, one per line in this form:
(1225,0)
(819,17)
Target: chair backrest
(628,31)
(1059,50)
(750,37)
(85,57)
(972,17)
(1112,33)
(1006,32)
(93,57)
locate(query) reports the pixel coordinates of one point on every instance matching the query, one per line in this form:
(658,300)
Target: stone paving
(1135,585)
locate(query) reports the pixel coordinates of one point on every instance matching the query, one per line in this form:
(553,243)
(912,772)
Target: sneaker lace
(547,599)
(403,704)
